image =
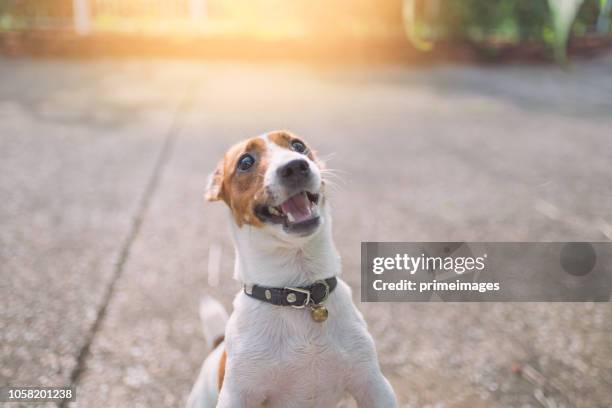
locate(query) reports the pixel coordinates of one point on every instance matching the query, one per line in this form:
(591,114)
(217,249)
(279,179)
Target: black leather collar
(299,297)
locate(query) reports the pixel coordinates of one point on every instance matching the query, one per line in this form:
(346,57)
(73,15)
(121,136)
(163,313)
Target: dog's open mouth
(298,213)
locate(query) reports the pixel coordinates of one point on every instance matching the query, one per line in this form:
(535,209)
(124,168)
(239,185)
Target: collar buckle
(300,290)
(308,292)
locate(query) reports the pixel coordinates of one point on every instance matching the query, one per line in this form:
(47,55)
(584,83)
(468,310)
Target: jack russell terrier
(295,338)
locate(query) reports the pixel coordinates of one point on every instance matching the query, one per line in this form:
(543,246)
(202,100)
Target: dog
(295,338)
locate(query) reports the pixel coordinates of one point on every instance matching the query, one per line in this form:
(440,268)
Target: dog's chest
(299,362)
(310,370)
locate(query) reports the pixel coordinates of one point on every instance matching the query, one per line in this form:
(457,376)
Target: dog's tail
(214,318)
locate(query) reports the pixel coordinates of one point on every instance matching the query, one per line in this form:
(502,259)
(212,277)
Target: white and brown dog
(295,338)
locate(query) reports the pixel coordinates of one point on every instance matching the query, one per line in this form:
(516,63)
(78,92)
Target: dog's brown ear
(214,188)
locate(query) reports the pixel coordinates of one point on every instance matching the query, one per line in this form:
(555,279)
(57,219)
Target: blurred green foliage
(477,20)
(489,22)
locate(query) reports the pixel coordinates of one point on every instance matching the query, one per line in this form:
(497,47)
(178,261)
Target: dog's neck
(268,260)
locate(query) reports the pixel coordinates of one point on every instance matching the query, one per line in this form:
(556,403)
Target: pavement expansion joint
(124,251)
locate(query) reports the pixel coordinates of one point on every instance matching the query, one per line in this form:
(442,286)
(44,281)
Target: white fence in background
(83,10)
(82,16)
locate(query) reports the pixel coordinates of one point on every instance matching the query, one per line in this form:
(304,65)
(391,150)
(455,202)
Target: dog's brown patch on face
(221,370)
(281,138)
(241,189)
(284,139)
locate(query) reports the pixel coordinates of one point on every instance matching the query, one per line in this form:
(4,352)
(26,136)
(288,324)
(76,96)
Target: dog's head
(272,182)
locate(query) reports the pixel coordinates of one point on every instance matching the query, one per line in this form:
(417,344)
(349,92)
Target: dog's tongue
(298,206)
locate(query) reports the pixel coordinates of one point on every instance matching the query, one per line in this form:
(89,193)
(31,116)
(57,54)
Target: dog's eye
(245,162)
(298,146)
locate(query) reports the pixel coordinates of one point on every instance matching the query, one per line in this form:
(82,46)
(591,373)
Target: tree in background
(488,23)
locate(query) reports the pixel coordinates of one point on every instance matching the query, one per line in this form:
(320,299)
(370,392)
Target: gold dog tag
(319,313)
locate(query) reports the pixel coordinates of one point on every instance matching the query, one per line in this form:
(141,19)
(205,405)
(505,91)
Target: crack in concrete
(124,253)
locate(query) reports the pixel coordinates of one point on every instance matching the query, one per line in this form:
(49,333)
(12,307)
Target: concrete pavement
(105,238)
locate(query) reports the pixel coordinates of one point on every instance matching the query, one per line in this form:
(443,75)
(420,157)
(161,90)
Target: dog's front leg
(231,399)
(232,395)
(371,389)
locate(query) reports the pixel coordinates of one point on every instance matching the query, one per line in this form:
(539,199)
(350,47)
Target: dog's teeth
(273,211)
(290,217)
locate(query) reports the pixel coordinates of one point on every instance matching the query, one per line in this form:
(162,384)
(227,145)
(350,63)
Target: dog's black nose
(295,171)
